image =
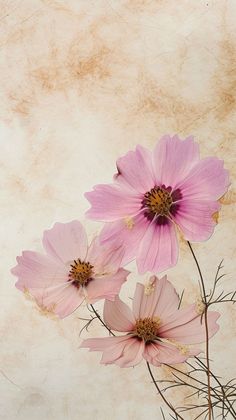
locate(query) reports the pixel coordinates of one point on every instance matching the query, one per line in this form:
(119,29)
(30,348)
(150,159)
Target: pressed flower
(155,192)
(71,271)
(155,329)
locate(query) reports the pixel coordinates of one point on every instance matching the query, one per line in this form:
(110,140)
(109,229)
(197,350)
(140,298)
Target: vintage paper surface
(82,82)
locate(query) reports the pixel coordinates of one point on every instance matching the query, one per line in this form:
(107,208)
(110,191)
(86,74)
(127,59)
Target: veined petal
(187,326)
(103,343)
(124,351)
(208,180)
(158,249)
(135,170)
(62,300)
(159,352)
(106,287)
(35,270)
(111,354)
(173,159)
(118,316)
(112,202)
(105,258)
(195,219)
(128,231)
(157,299)
(132,353)
(66,241)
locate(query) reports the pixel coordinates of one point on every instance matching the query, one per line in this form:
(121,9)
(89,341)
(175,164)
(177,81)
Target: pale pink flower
(155,329)
(70,272)
(155,192)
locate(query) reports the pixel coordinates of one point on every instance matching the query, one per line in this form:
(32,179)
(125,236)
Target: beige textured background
(82,82)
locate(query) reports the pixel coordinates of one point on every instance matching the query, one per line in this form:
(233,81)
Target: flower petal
(118,316)
(106,258)
(167,299)
(173,159)
(103,343)
(208,180)
(156,299)
(158,249)
(35,270)
(124,351)
(111,202)
(187,326)
(129,231)
(106,287)
(135,170)
(62,300)
(132,353)
(113,353)
(158,353)
(66,241)
(195,219)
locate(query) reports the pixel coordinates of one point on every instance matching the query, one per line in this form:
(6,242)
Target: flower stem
(161,394)
(100,319)
(204,297)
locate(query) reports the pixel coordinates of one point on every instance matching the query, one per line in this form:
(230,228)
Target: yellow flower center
(158,200)
(80,273)
(146,328)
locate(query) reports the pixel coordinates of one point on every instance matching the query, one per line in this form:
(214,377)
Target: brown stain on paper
(225,79)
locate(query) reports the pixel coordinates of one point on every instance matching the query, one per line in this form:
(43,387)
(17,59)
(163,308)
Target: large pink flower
(155,329)
(70,272)
(155,192)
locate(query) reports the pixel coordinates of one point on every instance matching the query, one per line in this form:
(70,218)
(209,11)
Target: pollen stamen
(80,273)
(146,328)
(158,201)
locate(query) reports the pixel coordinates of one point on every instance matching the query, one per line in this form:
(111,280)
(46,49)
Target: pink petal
(106,287)
(118,316)
(132,353)
(106,258)
(135,170)
(111,202)
(160,302)
(139,302)
(46,280)
(207,180)
(185,326)
(158,249)
(35,270)
(124,351)
(159,353)
(195,219)
(167,299)
(66,241)
(61,301)
(130,237)
(115,352)
(103,343)
(150,354)
(173,159)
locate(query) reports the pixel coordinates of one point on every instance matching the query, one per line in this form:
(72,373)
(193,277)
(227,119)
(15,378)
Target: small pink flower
(155,192)
(156,329)
(70,272)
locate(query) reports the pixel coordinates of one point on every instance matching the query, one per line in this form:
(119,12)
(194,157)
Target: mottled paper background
(82,82)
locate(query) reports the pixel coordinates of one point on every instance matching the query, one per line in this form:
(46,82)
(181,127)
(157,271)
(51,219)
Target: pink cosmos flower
(155,192)
(155,329)
(70,272)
